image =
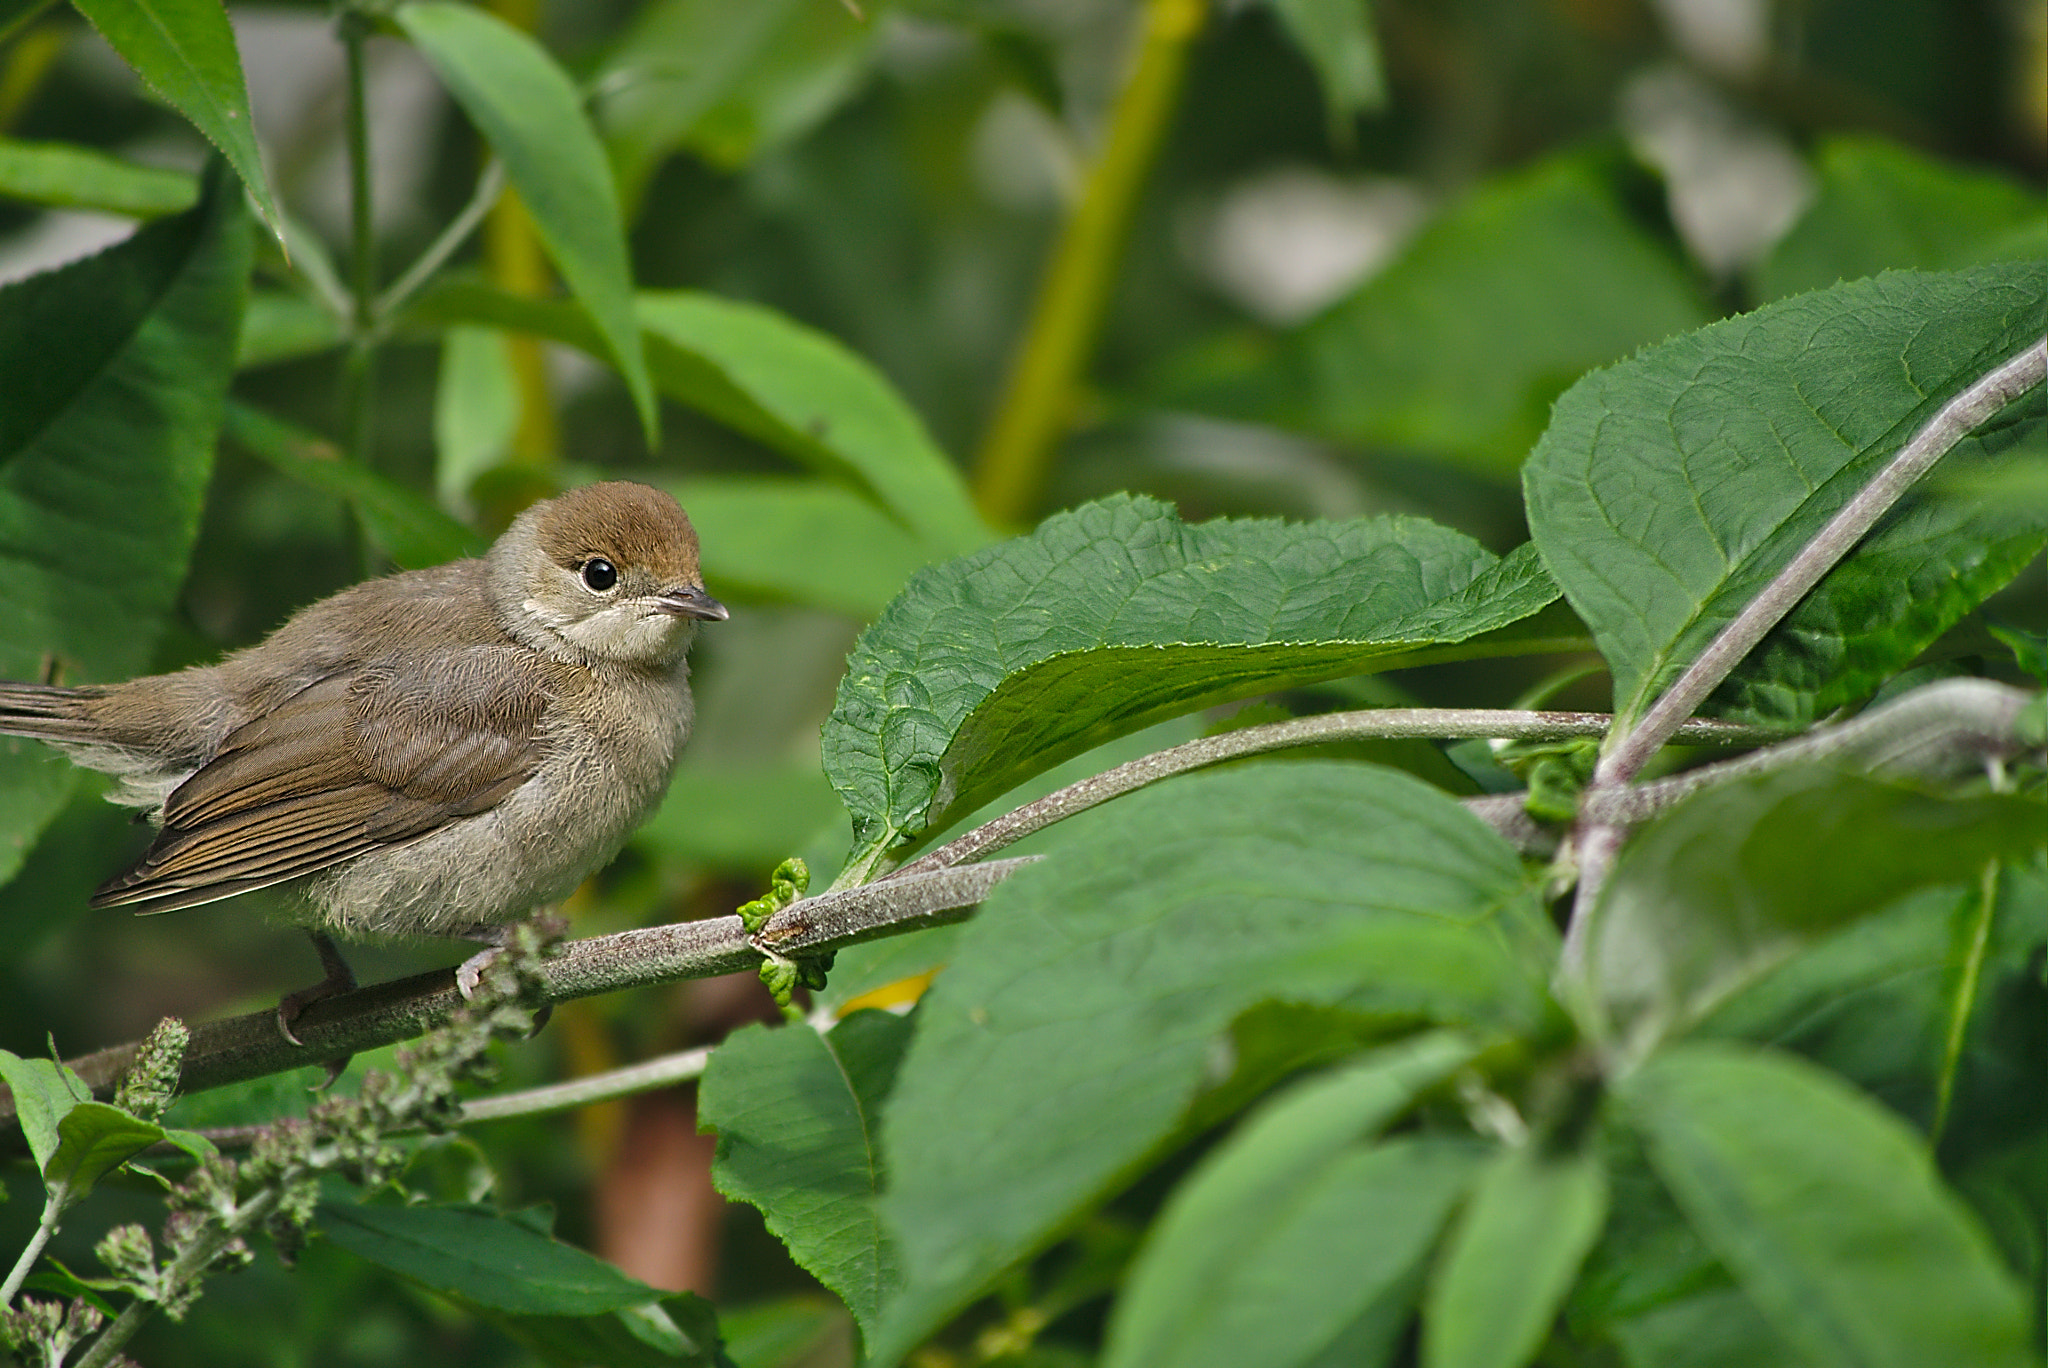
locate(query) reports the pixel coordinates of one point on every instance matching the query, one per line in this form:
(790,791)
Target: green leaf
(806,395)
(94,1139)
(993,667)
(1925,567)
(476,409)
(1882,206)
(1708,1329)
(1827,1211)
(728,82)
(1084,1008)
(116,367)
(801,541)
(1460,346)
(184,50)
(44,1091)
(64,176)
(797,1115)
(899,966)
(1337,38)
(531,113)
(1327,1274)
(282,327)
(1878,1001)
(1737,878)
(411,530)
(486,1257)
(1671,488)
(678,1331)
(568,1306)
(1512,1257)
(789,387)
(35,783)
(785,1331)
(1223,1277)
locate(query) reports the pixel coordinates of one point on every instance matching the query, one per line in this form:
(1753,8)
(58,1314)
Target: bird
(437,752)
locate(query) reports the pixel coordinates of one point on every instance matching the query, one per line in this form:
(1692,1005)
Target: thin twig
(662,1072)
(1378,724)
(489,186)
(1935,732)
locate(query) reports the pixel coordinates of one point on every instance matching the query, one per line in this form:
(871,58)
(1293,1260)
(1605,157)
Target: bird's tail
(46,712)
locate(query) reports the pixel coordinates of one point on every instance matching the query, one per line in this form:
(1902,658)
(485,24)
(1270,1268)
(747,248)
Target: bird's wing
(359,760)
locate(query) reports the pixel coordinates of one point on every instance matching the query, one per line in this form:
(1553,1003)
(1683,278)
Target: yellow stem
(35,52)
(1038,399)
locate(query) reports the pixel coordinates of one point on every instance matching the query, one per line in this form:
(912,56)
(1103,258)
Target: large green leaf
(728,81)
(798,1118)
(1669,489)
(1512,1256)
(1709,1328)
(1927,565)
(1459,347)
(1227,1276)
(116,368)
(530,111)
(411,530)
(1885,207)
(476,409)
(94,1140)
(805,394)
(792,388)
(1085,1006)
(801,541)
(993,667)
(1737,878)
(184,50)
(65,176)
(43,1091)
(1331,1273)
(1921,999)
(570,1306)
(1828,1212)
(484,1256)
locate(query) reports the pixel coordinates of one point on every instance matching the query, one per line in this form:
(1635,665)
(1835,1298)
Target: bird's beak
(692,602)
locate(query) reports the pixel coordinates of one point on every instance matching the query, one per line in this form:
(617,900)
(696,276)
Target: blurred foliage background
(1307,257)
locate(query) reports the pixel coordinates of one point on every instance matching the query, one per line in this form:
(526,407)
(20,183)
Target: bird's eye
(599,574)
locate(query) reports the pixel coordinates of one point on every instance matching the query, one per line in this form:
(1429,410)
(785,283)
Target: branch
(1378,724)
(1928,733)
(1938,731)
(223,1052)
(489,186)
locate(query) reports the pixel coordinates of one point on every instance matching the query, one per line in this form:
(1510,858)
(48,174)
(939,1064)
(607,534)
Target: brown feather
(351,763)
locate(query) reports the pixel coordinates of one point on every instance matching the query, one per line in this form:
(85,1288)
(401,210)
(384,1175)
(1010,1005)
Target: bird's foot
(337,979)
(470,972)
